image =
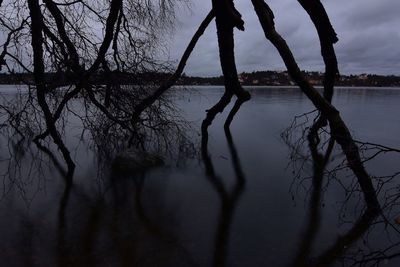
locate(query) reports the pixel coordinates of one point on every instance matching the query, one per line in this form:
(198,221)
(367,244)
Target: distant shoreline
(258,78)
(250,86)
(291,86)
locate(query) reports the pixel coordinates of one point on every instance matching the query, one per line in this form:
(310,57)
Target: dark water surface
(257,210)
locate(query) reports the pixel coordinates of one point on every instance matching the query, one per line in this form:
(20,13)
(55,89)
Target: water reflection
(198,214)
(229,200)
(114,228)
(371,215)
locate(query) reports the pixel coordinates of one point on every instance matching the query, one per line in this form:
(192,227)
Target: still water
(258,209)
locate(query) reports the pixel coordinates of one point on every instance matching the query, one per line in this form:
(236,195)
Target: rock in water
(136,160)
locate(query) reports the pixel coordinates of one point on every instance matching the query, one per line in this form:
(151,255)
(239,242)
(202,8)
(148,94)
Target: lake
(258,207)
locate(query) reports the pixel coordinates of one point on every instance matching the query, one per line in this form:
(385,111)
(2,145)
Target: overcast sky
(368,31)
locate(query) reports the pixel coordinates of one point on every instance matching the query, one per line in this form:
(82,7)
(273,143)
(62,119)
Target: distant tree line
(271,78)
(263,78)
(56,79)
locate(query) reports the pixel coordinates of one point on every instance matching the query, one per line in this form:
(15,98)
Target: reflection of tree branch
(358,230)
(121,194)
(52,157)
(376,257)
(314,221)
(235,158)
(212,113)
(342,243)
(233,112)
(229,200)
(62,229)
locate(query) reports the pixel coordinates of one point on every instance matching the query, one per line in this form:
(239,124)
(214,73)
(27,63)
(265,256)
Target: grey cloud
(374,14)
(371,52)
(368,32)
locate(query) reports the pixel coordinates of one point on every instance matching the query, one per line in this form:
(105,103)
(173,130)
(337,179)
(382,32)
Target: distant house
(363,77)
(314,81)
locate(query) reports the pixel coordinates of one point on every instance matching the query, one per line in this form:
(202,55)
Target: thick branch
(339,129)
(327,37)
(226,44)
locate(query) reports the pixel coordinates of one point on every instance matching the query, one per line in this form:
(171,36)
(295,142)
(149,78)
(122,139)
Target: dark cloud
(368,31)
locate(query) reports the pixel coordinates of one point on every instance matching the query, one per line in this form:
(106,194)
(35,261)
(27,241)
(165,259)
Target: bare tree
(80,40)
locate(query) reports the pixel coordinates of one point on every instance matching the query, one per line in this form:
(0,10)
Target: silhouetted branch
(62,39)
(341,248)
(227,17)
(327,37)
(339,129)
(178,72)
